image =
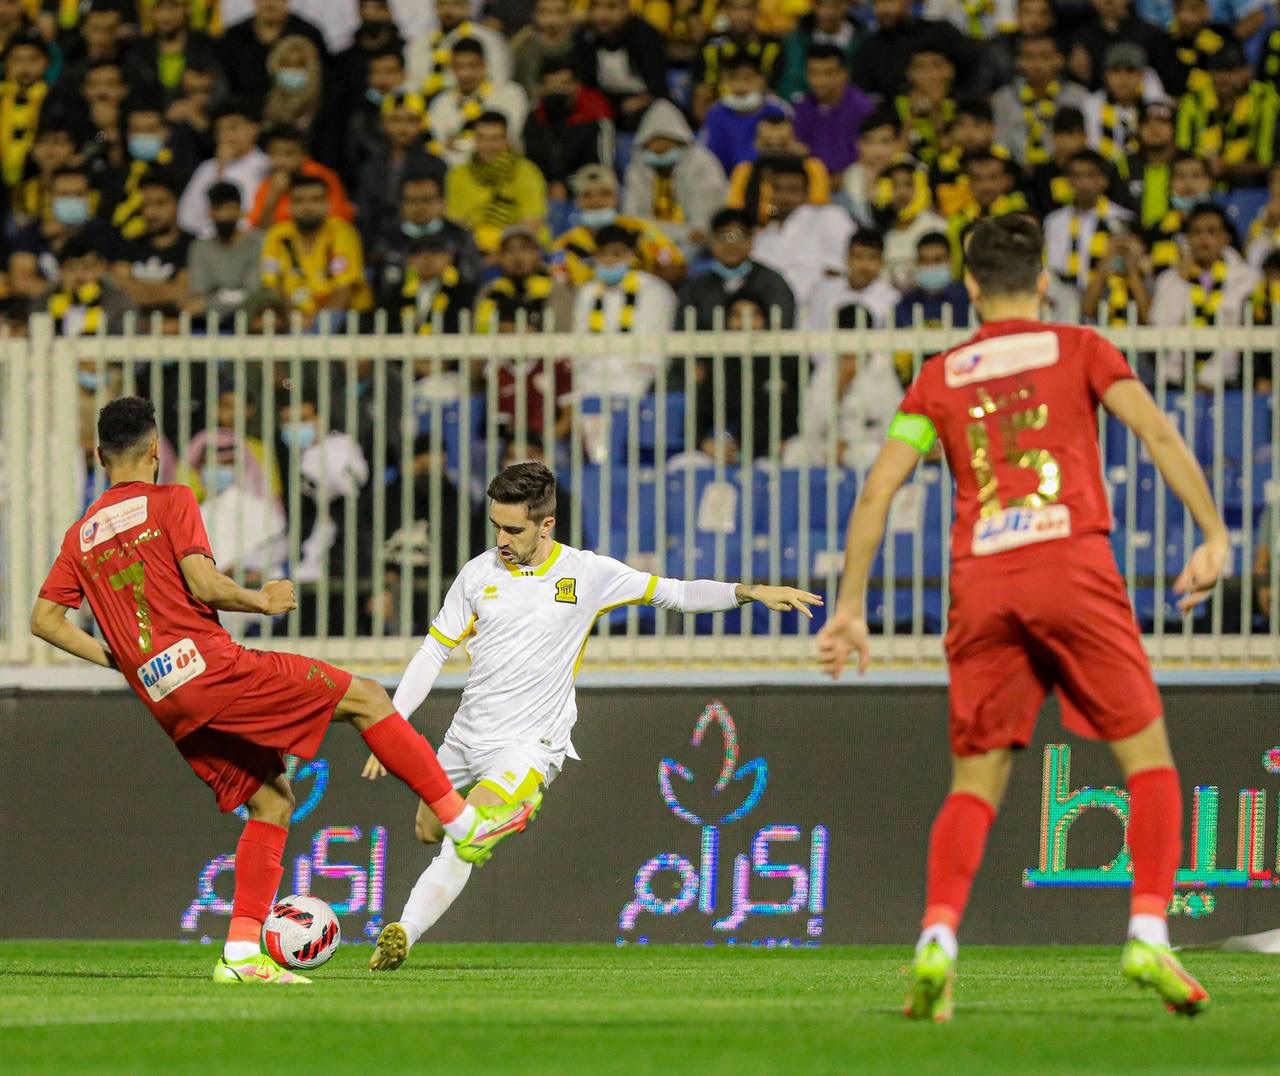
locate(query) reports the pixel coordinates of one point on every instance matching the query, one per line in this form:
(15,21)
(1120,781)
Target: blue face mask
(293,79)
(88,380)
(933,278)
(374,97)
(70,210)
(145,147)
(1185,203)
(612,274)
(597,218)
(661,161)
(224,477)
(735,272)
(417,231)
(298,434)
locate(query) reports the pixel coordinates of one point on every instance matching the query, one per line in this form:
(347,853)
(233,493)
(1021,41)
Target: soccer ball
(301,932)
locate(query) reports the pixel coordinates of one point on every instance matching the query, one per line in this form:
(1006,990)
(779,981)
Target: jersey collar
(541,569)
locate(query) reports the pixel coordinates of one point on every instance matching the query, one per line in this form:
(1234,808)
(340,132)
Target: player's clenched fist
(279,597)
(842,636)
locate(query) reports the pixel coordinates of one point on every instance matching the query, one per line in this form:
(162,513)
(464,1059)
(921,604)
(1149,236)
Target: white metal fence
(741,461)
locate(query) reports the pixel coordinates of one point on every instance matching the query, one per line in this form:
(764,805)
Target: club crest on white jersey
(114,519)
(1000,356)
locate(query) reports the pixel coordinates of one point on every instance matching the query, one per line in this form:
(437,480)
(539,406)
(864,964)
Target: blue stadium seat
(1243,206)
(673,435)
(831,495)
(610,487)
(454,428)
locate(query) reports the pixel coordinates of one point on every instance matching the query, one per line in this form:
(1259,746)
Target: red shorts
(285,709)
(1062,621)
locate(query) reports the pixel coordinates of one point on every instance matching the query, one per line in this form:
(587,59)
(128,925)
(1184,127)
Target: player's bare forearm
(870,515)
(49,622)
(219,591)
(1130,402)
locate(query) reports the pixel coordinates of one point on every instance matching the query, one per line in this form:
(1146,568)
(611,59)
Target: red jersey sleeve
(1105,365)
(63,585)
(185,525)
(914,402)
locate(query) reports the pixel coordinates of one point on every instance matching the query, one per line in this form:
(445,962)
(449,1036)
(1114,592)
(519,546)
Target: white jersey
(525,630)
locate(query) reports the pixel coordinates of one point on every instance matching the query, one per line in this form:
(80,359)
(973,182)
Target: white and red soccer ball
(301,932)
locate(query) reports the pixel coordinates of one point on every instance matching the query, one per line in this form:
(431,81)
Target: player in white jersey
(525,610)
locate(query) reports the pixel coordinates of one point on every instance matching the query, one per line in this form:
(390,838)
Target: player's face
(517,535)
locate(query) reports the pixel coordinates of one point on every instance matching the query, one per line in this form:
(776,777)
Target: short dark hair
(81,244)
(389,50)
(123,424)
(932,239)
(883,116)
(161,177)
(1212,209)
(224,193)
(308,181)
(1183,158)
(824,51)
(143,99)
(237,107)
(284,132)
(615,233)
(976,108)
(556,62)
(742,60)
(789,166)
(420,177)
(531,484)
(1005,254)
(468,44)
(29,37)
(491,117)
(1068,120)
(725,218)
(868,239)
(1035,39)
(1091,157)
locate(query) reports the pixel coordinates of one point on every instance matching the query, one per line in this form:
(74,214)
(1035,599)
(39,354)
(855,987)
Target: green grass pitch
(129,1007)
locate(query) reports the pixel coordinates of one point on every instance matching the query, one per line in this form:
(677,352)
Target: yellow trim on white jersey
(644,599)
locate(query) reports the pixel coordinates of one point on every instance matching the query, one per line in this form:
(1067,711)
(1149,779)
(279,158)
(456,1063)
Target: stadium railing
(412,426)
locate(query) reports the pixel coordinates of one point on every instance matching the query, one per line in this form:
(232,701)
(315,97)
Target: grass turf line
(106,1007)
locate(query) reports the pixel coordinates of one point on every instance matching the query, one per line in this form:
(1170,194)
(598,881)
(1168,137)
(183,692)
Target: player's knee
(273,803)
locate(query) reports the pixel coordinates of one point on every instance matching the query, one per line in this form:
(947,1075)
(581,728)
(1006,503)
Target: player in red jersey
(141,556)
(1036,601)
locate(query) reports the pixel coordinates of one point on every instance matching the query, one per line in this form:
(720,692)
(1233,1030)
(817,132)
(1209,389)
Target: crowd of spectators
(618,166)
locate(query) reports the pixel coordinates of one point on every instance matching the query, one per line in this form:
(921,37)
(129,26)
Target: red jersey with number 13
(124,556)
(1015,407)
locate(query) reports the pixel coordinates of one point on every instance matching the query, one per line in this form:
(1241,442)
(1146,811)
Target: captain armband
(914,430)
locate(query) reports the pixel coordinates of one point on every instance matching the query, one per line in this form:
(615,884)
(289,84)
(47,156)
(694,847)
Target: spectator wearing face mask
(671,179)
(147,147)
(85,300)
(225,268)
(706,298)
(297,94)
(729,130)
(934,297)
(421,214)
(907,217)
(247,46)
(1190,185)
(741,37)
(53,149)
(596,207)
(569,128)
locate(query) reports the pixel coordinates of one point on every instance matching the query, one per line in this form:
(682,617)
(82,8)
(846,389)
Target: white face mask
(743,102)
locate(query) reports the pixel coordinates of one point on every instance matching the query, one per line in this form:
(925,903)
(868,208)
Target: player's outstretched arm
(219,591)
(49,622)
(845,633)
(1132,404)
(712,596)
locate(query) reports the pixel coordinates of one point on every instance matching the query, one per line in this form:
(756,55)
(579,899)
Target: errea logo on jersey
(115,519)
(567,591)
(490,592)
(169,670)
(1000,356)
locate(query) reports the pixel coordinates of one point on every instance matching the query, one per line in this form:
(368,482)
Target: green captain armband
(914,430)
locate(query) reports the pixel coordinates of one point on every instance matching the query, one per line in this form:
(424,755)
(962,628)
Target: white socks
(461,826)
(241,950)
(434,891)
(943,935)
(1152,929)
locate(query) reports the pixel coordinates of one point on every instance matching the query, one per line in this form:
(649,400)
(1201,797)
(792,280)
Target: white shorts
(514,771)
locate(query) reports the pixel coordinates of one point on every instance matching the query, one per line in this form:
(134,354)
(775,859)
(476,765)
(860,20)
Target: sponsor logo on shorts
(115,519)
(1015,527)
(169,670)
(1000,357)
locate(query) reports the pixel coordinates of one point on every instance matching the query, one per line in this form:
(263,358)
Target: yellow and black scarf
(1230,133)
(717,55)
(1192,54)
(1162,241)
(88,296)
(1206,302)
(1037,117)
(19,116)
(1119,135)
(441,54)
(440,302)
(1266,302)
(627,316)
(127,215)
(1097,243)
(531,293)
(1270,66)
(925,136)
(665,206)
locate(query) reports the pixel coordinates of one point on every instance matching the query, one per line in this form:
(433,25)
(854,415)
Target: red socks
(956,843)
(258,874)
(1155,838)
(407,754)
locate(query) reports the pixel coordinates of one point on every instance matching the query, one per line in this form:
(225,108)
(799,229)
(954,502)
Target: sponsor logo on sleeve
(1000,356)
(106,523)
(170,669)
(1015,527)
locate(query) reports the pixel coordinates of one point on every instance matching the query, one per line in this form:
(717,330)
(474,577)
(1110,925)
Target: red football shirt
(1015,407)
(124,557)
